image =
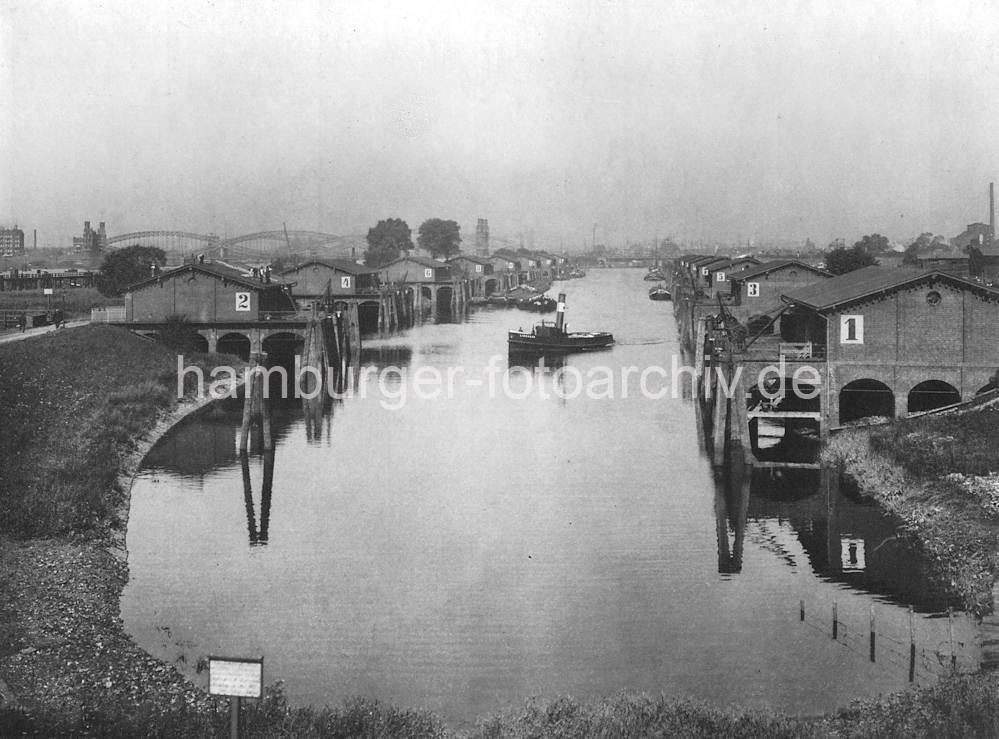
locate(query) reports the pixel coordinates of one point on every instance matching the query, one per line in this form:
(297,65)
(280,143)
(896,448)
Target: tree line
(391,236)
(840,259)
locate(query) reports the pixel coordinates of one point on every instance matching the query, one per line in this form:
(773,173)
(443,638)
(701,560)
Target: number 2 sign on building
(242,302)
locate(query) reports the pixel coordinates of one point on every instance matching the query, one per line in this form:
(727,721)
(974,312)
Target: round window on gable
(793,273)
(933,297)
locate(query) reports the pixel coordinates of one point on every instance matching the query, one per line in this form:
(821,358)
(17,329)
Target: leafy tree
(127,266)
(386,241)
(874,244)
(440,238)
(843,259)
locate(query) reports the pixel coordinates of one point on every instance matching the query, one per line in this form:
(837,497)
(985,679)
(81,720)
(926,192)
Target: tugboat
(654,275)
(538,304)
(659,293)
(553,337)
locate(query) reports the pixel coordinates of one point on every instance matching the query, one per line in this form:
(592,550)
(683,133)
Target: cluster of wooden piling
(256,412)
(721,390)
(396,310)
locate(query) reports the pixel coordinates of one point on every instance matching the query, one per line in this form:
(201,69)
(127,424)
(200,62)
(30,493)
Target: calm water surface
(461,554)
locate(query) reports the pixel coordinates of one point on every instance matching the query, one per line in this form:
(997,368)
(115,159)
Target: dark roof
(470,258)
(725,264)
(872,282)
(344,265)
(703,258)
(219,271)
(419,260)
(768,267)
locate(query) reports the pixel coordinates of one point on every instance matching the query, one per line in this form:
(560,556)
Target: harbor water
(509,537)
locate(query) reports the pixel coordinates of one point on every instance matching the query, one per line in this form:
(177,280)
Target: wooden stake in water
(801,609)
(835,622)
(873,630)
(912,648)
(950,630)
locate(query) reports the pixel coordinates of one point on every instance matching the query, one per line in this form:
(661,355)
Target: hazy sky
(696,120)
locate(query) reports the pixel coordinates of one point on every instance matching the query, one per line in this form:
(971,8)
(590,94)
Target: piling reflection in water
(732,493)
(258,536)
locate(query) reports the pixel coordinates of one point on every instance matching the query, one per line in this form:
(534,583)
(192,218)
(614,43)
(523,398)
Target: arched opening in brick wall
(864,399)
(283,344)
(491,285)
(444,295)
(932,394)
(199,343)
(236,344)
(756,324)
(367,317)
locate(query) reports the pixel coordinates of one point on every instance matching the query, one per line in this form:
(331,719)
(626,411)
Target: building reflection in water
(810,518)
(258,535)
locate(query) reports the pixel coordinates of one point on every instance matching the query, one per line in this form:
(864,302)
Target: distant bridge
(246,245)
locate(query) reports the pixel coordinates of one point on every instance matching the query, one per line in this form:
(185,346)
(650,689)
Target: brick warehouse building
(755,292)
(896,341)
(206,293)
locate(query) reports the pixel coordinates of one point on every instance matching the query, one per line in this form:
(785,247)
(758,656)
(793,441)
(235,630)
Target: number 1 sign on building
(236,677)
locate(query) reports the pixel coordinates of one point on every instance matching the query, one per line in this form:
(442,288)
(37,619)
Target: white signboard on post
(236,677)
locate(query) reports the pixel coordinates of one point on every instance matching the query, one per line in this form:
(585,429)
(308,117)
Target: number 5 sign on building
(243,302)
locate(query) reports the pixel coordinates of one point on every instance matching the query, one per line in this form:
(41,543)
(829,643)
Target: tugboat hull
(523,342)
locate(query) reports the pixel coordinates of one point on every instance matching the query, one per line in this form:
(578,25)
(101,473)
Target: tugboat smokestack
(560,315)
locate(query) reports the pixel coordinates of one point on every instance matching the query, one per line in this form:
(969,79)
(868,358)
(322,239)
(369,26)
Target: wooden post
(265,416)
(355,335)
(912,648)
(255,411)
(801,609)
(835,622)
(873,631)
(244,431)
(950,632)
(234,717)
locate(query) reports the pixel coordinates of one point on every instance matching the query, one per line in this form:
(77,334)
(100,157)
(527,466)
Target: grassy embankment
(940,475)
(75,302)
(73,404)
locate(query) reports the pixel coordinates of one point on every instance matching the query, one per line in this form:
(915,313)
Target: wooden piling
(912,647)
(950,637)
(873,634)
(256,411)
(801,609)
(354,337)
(835,633)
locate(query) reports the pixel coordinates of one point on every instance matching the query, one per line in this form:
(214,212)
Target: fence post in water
(873,637)
(835,622)
(801,609)
(912,648)
(950,633)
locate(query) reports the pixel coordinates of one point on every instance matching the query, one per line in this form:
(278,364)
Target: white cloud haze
(718,120)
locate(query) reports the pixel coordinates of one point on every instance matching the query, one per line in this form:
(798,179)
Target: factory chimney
(992,213)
